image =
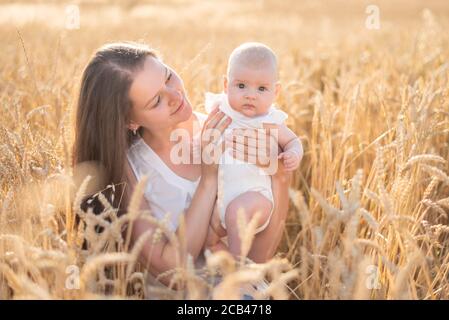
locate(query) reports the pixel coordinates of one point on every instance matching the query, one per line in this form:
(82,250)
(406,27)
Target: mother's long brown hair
(101,132)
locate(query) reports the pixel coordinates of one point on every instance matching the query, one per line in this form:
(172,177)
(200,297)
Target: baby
(250,88)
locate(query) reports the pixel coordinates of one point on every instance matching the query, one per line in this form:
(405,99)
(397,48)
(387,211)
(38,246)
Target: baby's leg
(251,202)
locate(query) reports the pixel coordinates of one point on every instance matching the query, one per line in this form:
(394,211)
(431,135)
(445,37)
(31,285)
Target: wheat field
(368,216)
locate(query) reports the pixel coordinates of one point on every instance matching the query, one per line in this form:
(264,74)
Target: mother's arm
(162,256)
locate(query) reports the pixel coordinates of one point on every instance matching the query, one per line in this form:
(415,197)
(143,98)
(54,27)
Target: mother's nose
(175,97)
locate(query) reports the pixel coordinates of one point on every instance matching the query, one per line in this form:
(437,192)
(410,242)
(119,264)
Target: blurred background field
(369,204)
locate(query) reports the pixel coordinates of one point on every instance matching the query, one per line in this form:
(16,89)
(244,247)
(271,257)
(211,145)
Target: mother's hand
(211,147)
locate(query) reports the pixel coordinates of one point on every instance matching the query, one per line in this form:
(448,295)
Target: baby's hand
(291,160)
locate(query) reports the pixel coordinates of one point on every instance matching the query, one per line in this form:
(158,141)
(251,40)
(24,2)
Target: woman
(129,104)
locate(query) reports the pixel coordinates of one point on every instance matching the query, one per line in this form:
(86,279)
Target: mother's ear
(133,126)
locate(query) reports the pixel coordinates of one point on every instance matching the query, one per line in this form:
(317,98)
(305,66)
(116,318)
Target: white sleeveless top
(168,194)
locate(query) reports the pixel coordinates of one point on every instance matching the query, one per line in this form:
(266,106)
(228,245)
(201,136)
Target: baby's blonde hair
(253,55)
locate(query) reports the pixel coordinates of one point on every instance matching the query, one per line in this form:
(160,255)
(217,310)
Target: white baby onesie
(237,177)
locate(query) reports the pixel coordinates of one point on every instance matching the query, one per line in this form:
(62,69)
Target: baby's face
(251,91)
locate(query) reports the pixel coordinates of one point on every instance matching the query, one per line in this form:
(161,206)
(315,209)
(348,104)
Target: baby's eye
(169,77)
(241,85)
(262,89)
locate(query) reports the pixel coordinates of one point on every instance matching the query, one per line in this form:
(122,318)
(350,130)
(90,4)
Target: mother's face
(158,97)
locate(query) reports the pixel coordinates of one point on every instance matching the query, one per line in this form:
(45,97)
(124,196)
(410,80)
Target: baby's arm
(291,147)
